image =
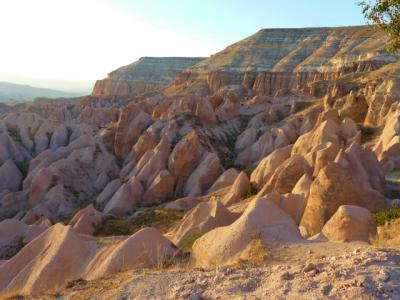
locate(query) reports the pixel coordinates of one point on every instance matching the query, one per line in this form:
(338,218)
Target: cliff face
(145,75)
(315,61)
(320,62)
(299,50)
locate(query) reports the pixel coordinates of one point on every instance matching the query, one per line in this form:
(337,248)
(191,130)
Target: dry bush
(161,219)
(254,254)
(388,234)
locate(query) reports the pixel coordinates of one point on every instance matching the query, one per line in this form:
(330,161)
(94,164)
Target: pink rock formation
(225,179)
(48,262)
(350,223)
(131,123)
(203,176)
(126,198)
(238,190)
(10,229)
(161,189)
(200,220)
(60,255)
(222,245)
(86,220)
(267,167)
(146,248)
(332,188)
(183,159)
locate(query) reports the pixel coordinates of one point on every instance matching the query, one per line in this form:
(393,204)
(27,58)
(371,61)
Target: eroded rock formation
(287,131)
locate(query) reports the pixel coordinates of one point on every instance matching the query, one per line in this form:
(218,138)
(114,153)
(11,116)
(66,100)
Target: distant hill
(10,92)
(145,75)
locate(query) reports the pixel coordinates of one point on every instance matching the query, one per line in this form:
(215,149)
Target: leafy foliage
(386,15)
(19,243)
(384,216)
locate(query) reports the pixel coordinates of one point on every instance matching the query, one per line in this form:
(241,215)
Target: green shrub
(19,242)
(382,217)
(190,239)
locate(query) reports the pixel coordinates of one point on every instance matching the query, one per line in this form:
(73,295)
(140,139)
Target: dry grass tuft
(254,254)
(149,217)
(388,234)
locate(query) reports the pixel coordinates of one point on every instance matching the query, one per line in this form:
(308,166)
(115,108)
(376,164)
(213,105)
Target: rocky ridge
(145,75)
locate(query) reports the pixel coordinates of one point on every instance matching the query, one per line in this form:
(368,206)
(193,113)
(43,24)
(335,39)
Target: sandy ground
(306,271)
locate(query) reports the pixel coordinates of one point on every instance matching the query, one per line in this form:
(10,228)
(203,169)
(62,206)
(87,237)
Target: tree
(386,15)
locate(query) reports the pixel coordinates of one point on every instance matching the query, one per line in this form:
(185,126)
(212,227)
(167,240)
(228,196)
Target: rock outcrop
(14,234)
(350,223)
(226,179)
(238,190)
(145,75)
(332,188)
(60,255)
(87,219)
(222,245)
(146,248)
(200,220)
(48,262)
(305,60)
(388,146)
(126,198)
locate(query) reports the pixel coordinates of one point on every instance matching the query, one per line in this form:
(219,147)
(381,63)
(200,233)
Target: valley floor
(299,271)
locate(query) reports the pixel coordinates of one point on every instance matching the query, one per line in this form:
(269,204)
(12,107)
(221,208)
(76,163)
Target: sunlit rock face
(300,50)
(275,61)
(145,75)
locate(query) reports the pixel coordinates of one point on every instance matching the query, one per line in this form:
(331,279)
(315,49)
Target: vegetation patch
(76,283)
(252,191)
(24,167)
(388,234)
(148,217)
(15,135)
(247,169)
(13,248)
(244,121)
(190,239)
(302,105)
(382,217)
(188,116)
(368,134)
(254,254)
(49,135)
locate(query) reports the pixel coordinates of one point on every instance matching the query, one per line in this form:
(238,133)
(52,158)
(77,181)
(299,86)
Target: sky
(68,44)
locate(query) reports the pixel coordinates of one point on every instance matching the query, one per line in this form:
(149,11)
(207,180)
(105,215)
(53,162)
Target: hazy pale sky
(68,44)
